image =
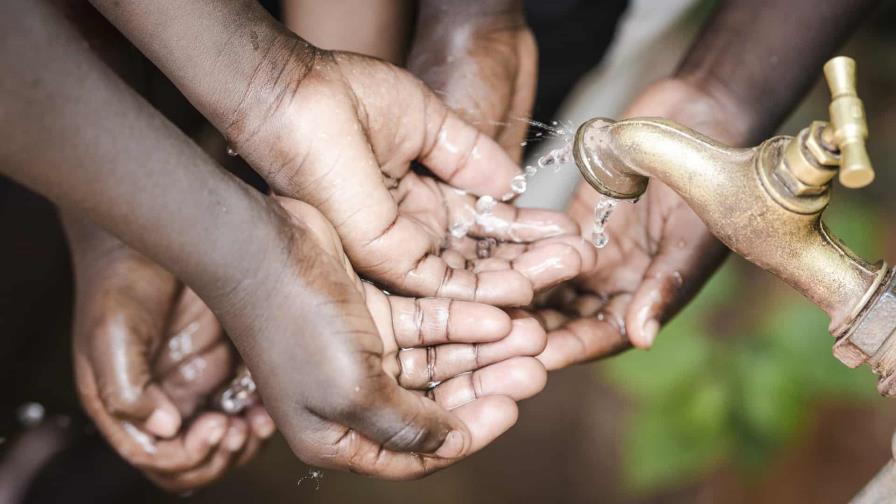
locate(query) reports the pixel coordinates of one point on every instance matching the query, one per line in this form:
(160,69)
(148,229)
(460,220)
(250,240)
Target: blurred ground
(740,401)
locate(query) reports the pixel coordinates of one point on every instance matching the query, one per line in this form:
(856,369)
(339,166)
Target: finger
(194,378)
(517,378)
(260,421)
(432,321)
(687,255)
(187,451)
(216,465)
(118,349)
(588,338)
(420,367)
(253,444)
(237,435)
(579,341)
(433,277)
(192,330)
(509,223)
(460,155)
(399,419)
(486,419)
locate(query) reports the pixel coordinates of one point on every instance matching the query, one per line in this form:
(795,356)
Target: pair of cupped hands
(416,349)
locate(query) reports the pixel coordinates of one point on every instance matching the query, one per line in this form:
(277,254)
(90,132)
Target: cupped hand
(482,61)
(381,384)
(658,256)
(148,356)
(345,132)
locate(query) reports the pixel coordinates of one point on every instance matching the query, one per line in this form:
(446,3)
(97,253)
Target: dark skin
(481,58)
(149,353)
(130,393)
(282,103)
(275,280)
(744,73)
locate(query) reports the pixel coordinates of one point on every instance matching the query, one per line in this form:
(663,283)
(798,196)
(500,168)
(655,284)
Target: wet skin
(481,58)
(286,105)
(148,355)
(312,338)
(744,73)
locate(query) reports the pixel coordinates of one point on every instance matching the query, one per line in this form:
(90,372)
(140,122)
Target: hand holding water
(391,374)
(657,252)
(149,355)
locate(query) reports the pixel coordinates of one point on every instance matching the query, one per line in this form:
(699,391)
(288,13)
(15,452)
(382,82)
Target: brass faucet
(765,203)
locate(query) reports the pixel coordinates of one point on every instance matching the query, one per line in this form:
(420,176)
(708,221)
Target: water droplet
(523,144)
(484,247)
(518,184)
(239,393)
(603,208)
(459,229)
(485,204)
(30,414)
(315,475)
(599,239)
(232,152)
(531,171)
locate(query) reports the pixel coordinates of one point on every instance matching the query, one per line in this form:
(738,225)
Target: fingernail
(263,426)
(163,423)
(650,329)
(234,440)
(452,447)
(216,434)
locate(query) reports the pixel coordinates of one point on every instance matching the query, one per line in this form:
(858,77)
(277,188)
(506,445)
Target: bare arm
(76,133)
(382,30)
(747,69)
(759,57)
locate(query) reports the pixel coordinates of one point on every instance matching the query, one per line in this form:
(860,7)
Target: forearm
(382,32)
(757,58)
(77,134)
(445,26)
(468,11)
(219,53)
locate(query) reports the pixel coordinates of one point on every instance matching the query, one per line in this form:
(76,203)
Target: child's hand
(333,381)
(148,354)
(482,60)
(659,255)
(341,132)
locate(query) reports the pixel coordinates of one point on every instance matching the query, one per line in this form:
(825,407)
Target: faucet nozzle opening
(599,164)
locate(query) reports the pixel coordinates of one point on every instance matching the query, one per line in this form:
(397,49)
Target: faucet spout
(734,191)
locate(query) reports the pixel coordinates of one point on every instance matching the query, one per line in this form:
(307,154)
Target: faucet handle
(849,127)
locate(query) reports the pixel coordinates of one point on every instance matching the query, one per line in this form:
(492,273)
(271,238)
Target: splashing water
(30,414)
(315,475)
(239,394)
(555,158)
(182,342)
(603,208)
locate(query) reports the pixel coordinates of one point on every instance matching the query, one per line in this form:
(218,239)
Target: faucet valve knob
(849,127)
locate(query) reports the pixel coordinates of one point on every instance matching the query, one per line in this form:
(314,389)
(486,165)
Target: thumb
(404,421)
(120,366)
(119,349)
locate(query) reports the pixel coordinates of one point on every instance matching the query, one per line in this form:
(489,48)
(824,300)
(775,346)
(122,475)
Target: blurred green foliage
(720,388)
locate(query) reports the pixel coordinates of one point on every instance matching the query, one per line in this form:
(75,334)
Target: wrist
(445,21)
(698,106)
(286,60)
